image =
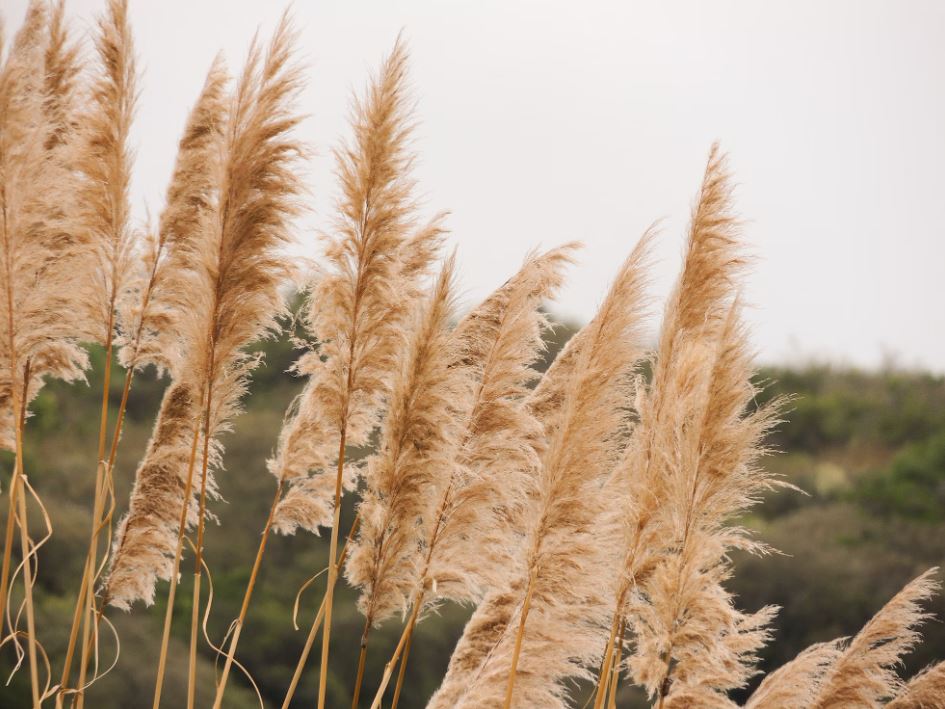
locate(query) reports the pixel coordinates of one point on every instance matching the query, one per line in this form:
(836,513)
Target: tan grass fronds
(104,161)
(865,673)
(403,482)
(469,544)
(479,517)
(688,468)
(796,683)
(924,691)
(358,309)
(156,295)
(146,538)
(145,541)
(678,607)
(560,569)
(230,272)
(38,263)
(481,637)
(63,67)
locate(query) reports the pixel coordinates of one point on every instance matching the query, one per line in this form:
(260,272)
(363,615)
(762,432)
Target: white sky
(543,122)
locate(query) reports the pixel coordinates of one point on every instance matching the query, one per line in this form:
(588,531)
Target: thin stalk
(97,506)
(602,680)
(16,406)
(513,670)
(612,703)
(25,542)
(389,667)
(102,521)
(362,658)
(116,437)
(403,666)
(198,554)
(8,538)
(172,590)
(247,595)
(316,624)
(332,567)
(28,586)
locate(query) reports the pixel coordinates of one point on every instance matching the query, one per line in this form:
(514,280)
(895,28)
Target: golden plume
(471,541)
(796,683)
(420,436)
(145,540)
(559,567)
(864,675)
(357,310)
(39,265)
(924,691)
(104,163)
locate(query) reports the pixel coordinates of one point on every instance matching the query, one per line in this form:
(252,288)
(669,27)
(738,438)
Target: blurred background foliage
(866,448)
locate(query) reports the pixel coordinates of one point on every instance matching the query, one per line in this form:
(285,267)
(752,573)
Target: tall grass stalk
(389,667)
(175,574)
(316,623)
(247,596)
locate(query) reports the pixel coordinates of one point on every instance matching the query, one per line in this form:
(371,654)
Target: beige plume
(39,265)
(864,675)
(797,683)
(558,571)
(231,272)
(924,691)
(145,539)
(104,162)
(420,437)
(358,309)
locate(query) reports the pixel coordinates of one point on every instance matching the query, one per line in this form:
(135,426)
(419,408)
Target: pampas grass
(39,254)
(588,516)
(556,569)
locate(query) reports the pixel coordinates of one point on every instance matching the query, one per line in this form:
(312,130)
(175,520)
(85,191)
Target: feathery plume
(104,163)
(559,570)
(228,270)
(146,537)
(61,80)
(475,529)
(420,436)
(924,691)
(357,310)
(479,516)
(156,294)
(145,540)
(797,683)
(687,469)
(864,675)
(38,264)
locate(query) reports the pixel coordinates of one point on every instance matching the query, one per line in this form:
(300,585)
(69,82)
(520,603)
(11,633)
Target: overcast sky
(543,122)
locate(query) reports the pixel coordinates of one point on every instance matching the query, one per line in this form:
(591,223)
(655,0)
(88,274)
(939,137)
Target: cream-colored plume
(146,537)
(865,673)
(233,274)
(40,260)
(358,309)
(419,440)
(558,573)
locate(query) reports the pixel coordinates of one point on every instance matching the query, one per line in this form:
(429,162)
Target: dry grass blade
(797,683)
(559,567)
(358,308)
(864,675)
(924,691)
(146,538)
